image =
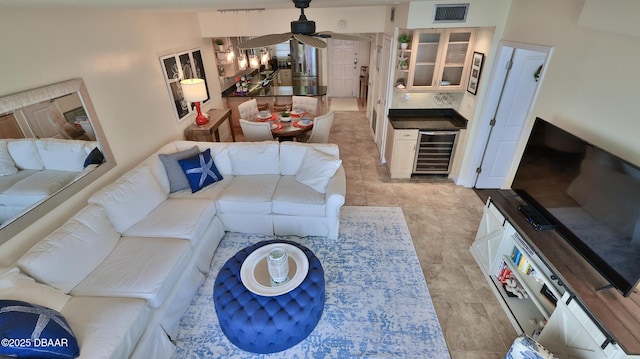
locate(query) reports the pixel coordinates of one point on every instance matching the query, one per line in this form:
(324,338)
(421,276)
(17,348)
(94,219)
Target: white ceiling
(193,4)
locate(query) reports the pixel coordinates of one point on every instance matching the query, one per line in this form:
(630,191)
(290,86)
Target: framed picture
(177,67)
(476,71)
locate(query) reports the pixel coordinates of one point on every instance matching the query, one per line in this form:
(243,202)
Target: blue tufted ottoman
(260,324)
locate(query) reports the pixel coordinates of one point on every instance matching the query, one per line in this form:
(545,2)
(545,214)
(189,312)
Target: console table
(583,322)
(209,131)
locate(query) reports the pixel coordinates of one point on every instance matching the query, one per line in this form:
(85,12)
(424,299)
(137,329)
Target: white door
(39,121)
(344,71)
(382,94)
(512,111)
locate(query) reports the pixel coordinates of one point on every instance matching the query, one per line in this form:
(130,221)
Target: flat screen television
(590,196)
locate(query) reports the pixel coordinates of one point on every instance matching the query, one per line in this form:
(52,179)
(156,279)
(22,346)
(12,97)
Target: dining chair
(256,131)
(321,129)
(307,103)
(249,109)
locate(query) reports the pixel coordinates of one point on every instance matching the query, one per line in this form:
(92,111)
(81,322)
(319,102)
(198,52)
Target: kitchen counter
(272,90)
(427,119)
(256,89)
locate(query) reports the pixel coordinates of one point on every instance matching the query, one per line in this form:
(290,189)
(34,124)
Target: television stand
(583,319)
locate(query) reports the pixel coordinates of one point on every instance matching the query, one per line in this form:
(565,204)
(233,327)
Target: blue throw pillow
(33,331)
(200,170)
(95,157)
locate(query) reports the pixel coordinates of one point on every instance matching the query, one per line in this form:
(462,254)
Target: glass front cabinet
(440,59)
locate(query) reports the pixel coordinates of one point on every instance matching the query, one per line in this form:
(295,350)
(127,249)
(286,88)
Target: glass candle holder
(278,265)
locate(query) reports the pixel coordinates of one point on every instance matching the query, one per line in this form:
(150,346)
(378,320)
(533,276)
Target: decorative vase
(278,265)
(220,47)
(404,45)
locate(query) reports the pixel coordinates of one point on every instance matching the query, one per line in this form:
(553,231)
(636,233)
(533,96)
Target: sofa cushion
(176,218)
(7,166)
(316,169)
(177,179)
(296,199)
(63,155)
(66,256)
(107,327)
(255,158)
(249,194)
(200,170)
(130,198)
(25,154)
(292,154)
(37,186)
(18,286)
(211,193)
(145,268)
(46,330)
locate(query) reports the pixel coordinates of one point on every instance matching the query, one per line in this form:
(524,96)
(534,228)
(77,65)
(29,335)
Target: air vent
(450,13)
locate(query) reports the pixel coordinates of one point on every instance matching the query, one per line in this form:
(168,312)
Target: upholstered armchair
(308,104)
(248,110)
(256,131)
(321,128)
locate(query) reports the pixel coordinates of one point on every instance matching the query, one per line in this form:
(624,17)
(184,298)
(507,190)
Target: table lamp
(194,91)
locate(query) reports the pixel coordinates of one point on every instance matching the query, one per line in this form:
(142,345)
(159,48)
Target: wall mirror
(51,147)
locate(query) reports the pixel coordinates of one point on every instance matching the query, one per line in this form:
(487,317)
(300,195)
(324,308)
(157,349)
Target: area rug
(344,104)
(377,302)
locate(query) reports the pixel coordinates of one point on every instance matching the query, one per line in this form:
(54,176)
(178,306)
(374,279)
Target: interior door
(511,114)
(39,122)
(344,75)
(382,94)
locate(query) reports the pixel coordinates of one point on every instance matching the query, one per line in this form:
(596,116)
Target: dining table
(287,128)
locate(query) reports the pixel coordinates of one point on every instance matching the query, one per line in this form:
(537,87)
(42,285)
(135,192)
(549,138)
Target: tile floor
(443,219)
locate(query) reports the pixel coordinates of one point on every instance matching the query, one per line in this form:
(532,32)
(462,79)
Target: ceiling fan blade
(338,36)
(310,40)
(266,40)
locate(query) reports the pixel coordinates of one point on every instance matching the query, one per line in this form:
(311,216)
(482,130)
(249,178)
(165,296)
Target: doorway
(506,116)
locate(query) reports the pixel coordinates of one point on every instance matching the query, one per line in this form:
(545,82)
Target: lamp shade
(194,90)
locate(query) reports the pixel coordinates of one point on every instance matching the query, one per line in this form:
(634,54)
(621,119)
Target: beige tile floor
(443,219)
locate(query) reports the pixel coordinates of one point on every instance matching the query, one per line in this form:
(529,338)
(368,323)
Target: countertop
(256,89)
(426,119)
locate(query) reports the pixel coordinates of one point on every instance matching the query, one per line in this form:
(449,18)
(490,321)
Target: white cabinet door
(403,154)
(490,234)
(570,333)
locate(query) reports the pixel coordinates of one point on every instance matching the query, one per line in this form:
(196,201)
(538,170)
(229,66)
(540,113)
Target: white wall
(117,54)
(590,85)
(254,23)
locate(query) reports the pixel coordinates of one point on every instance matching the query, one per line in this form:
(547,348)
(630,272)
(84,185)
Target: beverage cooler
(434,152)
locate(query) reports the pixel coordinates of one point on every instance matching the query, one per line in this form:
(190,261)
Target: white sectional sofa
(124,269)
(33,169)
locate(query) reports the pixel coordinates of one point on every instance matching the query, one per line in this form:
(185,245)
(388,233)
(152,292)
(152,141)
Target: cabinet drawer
(406,135)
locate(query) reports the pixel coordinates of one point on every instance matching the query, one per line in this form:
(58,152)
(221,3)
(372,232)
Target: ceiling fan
(302,30)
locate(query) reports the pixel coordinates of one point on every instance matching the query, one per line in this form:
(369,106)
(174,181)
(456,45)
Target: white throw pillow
(317,169)
(62,155)
(18,286)
(7,166)
(25,154)
(131,197)
(70,253)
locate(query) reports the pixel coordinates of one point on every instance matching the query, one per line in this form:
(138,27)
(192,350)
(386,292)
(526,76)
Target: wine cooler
(434,153)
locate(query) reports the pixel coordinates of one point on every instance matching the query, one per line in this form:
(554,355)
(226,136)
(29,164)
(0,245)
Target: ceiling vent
(450,13)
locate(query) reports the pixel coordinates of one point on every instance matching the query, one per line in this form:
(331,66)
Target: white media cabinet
(559,318)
